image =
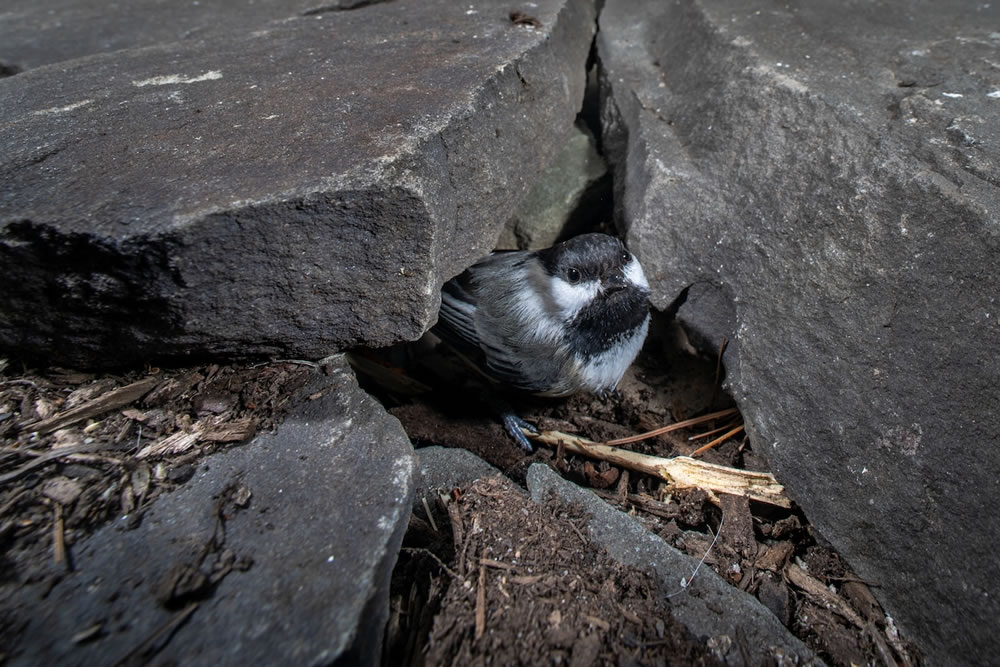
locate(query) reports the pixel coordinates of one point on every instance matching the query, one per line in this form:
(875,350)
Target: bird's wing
(457,317)
(474,318)
(508,325)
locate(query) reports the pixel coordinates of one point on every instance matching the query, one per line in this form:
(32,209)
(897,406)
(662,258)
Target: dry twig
(59,538)
(481,602)
(822,595)
(680,471)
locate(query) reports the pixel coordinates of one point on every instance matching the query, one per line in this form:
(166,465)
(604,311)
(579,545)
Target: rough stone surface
(823,176)
(709,608)
(34,33)
(446,468)
(292,190)
(565,200)
(329,500)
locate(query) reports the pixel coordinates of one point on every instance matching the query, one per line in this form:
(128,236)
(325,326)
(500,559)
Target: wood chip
(142,477)
(63,490)
(111,400)
(231,431)
(629,615)
(774,556)
(500,565)
(644,503)
(49,456)
(822,595)
(738,532)
(181,441)
(863,601)
(171,388)
(599,622)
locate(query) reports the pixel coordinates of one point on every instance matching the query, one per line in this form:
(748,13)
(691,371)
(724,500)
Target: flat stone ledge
(34,33)
(294,190)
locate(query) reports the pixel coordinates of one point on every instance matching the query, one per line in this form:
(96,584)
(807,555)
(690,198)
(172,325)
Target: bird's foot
(614,394)
(516,426)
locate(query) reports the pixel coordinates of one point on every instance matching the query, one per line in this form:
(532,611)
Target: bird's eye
(573,275)
(626,257)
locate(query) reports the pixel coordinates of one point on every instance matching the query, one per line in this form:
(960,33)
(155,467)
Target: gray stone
(319,507)
(34,33)
(447,468)
(823,176)
(292,190)
(565,200)
(709,607)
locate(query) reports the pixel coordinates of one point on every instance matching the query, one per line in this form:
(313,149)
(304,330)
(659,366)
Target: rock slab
(820,182)
(33,33)
(445,468)
(293,190)
(308,520)
(710,608)
(566,200)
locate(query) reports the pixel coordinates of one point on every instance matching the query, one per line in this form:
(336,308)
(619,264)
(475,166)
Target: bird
(550,322)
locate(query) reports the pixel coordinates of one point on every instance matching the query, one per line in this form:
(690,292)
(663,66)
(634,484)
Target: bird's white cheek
(571,299)
(531,311)
(635,275)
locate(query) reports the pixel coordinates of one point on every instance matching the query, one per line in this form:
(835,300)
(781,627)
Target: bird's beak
(614,281)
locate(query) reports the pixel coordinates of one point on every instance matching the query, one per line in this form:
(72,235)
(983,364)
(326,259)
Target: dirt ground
(78,450)
(524,586)
(769,552)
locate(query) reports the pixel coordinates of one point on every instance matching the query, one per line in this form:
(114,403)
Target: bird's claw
(514,425)
(614,394)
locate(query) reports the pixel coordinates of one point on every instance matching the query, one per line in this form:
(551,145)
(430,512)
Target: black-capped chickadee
(551,322)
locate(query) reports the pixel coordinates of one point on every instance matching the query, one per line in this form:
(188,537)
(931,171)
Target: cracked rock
(291,190)
(566,200)
(819,181)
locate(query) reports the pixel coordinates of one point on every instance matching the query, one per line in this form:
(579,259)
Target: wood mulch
(768,551)
(78,450)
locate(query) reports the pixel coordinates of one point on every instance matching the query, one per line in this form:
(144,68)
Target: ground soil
(78,449)
(497,579)
(767,551)
(524,586)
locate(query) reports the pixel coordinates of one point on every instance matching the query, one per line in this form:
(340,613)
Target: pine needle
(673,427)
